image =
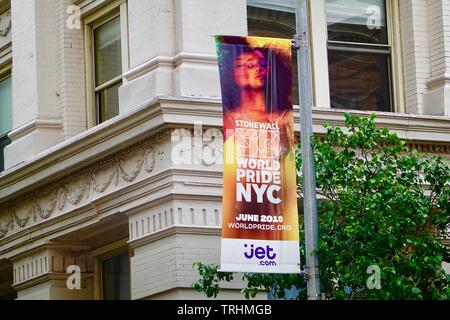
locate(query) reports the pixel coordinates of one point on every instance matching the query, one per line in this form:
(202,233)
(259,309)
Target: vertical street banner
(260,232)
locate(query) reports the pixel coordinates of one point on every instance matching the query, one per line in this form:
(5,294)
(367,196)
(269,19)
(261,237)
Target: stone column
(151,38)
(416,53)
(42,274)
(172,50)
(37,122)
(437,98)
(196,72)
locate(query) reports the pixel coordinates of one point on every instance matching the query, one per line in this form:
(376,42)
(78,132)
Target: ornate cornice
(36,267)
(438,81)
(440,149)
(122,168)
(89,6)
(179,214)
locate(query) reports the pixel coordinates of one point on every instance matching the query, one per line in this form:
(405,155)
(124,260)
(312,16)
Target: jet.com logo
(265,255)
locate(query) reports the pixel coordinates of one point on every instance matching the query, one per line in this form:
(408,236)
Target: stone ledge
(173,230)
(172,62)
(35,124)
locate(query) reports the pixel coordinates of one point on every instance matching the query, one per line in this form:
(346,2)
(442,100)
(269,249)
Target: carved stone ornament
(119,170)
(5,24)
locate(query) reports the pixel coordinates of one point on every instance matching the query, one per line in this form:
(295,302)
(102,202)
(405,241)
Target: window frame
(104,253)
(5,72)
(112,10)
(320,47)
(380,50)
(319,53)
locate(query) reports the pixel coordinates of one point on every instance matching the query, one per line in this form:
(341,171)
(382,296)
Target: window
(358,40)
(107,68)
(274,19)
(5,116)
(107,60)
(359,55)
(116,278)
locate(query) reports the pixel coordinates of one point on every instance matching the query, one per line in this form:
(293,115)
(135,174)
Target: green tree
(382,205)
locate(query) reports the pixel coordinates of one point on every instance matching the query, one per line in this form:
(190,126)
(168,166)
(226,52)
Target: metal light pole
(309,172)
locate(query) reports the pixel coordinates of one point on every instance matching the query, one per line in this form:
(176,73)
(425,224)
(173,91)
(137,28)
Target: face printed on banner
(259,213)
(251,70)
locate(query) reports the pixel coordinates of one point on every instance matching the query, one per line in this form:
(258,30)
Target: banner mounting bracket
(300,41)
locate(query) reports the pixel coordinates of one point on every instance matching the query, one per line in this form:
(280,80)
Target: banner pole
(301,42)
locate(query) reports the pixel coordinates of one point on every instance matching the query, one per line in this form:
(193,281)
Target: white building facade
(102,164)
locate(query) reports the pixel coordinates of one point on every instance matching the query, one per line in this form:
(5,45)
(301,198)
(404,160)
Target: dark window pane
(108,102)
(275,19)
(4,141)
(362,21)
(116,278)
(5,106)
(263,22)
(359,80)
(108,51)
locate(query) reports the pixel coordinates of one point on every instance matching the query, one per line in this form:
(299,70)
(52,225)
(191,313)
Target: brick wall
(414,30)
(24,75)
(439,16)
(71,73)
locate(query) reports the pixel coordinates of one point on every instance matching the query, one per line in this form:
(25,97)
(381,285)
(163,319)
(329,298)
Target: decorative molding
(73,191)
(148,67)
(171,62)
(50,261)
(438,81)
(440,149)
(52,124)
(199,58)
(30,268)
(407,123)
(437,149)
(195,214)
(6,54)
(87,147)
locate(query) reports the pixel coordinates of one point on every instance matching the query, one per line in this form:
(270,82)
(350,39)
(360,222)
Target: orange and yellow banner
(260,231)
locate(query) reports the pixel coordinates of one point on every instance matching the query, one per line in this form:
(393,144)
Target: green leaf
(375,210)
